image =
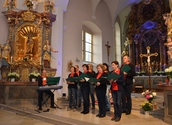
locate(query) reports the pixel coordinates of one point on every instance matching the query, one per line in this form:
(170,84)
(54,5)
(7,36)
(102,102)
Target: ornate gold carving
(53,73)
(69,65)
(21,42)
(25,74)
(4,74)
(10,32)
(28,16)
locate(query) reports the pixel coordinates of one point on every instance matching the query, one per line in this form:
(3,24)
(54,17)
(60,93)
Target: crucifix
(148,55)
(108,50)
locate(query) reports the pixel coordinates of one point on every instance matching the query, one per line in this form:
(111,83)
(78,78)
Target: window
(87,46)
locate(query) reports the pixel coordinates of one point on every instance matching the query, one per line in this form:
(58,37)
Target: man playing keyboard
(42,82)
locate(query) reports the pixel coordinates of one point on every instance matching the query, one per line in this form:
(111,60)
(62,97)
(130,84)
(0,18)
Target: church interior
(53,35)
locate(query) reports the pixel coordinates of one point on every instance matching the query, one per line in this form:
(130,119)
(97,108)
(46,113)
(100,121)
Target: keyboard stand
(54,88)
(48,97)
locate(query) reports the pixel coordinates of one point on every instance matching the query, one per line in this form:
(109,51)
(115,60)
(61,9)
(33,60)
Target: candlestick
(40,61)
(11,59)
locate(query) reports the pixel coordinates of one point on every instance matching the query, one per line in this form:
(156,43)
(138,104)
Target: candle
(40,61)
(11,59)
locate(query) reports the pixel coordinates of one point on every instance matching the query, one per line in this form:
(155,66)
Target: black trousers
(85,90)
(40,97)
(126,98)
(101,96)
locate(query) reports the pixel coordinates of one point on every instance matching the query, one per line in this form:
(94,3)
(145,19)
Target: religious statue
(49,6)
(30,44)
(126,47)
(169,45)
(142,67)
(10,4)
(108,49)
(153,66)
(156,66)
(47,54)
(5,52)
(29,4)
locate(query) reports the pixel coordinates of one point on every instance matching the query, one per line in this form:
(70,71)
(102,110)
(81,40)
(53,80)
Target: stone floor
(26,115)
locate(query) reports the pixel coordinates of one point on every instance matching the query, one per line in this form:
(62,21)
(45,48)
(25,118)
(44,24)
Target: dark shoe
(97,115)
(107,110)
(117,119)
(123,111)
(86,112)
(128,113)
(46,110)
(82,111)
(93,108)
(53,107)
(112,119)
(101,116)
(40,109)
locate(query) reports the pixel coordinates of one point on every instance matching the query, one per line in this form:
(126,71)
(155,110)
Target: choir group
(102,83)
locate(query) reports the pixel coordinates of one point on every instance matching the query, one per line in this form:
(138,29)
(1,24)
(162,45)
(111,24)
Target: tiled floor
(13,115)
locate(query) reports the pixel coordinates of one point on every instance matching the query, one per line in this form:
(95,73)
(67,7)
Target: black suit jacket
(103,81)
(130,75)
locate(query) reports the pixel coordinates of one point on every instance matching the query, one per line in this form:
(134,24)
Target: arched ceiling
(115,6)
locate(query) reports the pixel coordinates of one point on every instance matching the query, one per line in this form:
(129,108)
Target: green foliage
(147,106)
(34,75)
(169,71)
(13,75)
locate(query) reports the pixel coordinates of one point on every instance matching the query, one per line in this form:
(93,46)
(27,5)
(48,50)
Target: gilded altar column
(161,57)
(164,51)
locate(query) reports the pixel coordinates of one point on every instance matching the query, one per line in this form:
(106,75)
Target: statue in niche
(5,52)
(169,45)
(10,5)
(30,44)
(47,54)
(49,6)
(126,47)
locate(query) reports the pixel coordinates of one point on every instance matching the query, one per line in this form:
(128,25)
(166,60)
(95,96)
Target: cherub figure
(49,6)
(29,4)
(10,5)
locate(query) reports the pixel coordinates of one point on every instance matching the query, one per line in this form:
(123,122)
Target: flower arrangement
(34,75)
(169,71)
(149,95)
(141,73)
(13,75)
(147,106)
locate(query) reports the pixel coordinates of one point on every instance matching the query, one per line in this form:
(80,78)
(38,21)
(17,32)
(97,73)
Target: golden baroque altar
(28,32)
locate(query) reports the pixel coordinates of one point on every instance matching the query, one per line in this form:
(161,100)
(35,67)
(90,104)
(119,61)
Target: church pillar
(131,50)
(136,51)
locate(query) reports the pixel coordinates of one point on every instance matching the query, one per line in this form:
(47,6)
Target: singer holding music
(42,82)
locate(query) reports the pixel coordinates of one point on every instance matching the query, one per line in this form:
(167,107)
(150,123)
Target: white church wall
(77,12)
